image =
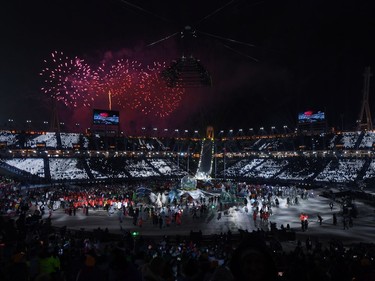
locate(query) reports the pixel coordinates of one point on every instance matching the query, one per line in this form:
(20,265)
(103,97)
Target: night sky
(307,55)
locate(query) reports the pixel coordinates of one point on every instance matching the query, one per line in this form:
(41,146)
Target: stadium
(216,182)
(178,150)
(322,159)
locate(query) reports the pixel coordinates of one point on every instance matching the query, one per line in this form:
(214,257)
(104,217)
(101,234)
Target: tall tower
(54,123)
(210,133)
(364,121)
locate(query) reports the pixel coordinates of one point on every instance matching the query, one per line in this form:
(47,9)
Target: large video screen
(311,117)
(106,117)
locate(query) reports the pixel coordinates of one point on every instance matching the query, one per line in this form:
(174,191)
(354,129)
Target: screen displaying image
(311,117)
(106,117)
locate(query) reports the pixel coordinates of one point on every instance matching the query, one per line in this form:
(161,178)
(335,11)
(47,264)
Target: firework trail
(118,81)
(69,80)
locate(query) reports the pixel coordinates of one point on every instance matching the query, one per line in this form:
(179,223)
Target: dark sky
(310,56)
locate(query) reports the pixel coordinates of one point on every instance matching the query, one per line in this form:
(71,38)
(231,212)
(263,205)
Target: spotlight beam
(163,39)
(215,12)
(227,39)
(222,8)
(240,53)
(145,11)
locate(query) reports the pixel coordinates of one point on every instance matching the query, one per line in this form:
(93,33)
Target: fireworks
(69,80)
(125,82)
(152,96)
(118,80)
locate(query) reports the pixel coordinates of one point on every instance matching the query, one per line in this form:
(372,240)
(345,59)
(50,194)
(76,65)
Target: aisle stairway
(207,152)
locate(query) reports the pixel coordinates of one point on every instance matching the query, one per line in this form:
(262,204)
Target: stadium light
(10,121)
(28,122)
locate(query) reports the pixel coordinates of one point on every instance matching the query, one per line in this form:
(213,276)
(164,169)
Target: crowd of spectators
(329,170)
(267,169)
(370,172)
(66,168)
(349,139)
(96,167)
(167,167)
(346,140)
(367,140)
(263,166)
(300,169)
(34,166)
(341,170)
(242,167)
(33,249)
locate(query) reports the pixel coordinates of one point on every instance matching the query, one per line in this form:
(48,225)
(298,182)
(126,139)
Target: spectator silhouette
(191,271)
(18,269)
(157,270)
(89,270)
(251,260)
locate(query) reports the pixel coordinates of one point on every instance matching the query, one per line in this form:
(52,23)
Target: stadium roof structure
(187,72)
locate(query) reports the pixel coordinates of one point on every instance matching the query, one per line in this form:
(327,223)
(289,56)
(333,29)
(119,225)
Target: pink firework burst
(117,81)
(69,80)
(152,96)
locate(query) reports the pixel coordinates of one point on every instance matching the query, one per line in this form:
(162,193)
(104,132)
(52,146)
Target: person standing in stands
(345,223)
(306,223)
(331,205)
(334,219)
(350,221)
(49,262)
(17,269)
(255,217)
(160,220)
(308,244)
(320,219)
(89,271)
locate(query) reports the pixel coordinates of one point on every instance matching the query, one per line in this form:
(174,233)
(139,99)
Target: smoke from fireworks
(69,80)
